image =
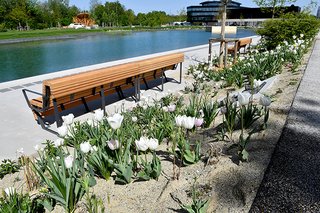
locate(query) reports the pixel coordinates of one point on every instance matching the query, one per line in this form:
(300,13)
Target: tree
(274,5)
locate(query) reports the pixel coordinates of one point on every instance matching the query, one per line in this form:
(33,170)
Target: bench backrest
(161,62)
(68,88)
(244,41)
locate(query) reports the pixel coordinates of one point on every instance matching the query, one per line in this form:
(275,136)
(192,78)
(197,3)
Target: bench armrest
(24,91)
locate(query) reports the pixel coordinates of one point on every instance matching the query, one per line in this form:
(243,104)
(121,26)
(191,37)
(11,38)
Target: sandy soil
(229,185)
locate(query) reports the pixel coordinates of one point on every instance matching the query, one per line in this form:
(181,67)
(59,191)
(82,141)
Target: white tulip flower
(243,98)
(171,107)
(188,122)
(98,115)
(142,144)
(67,120)
(165,109)
(256,83)
(179,119)
(153,144)
(265,101)
(68,161)
(115,121)
(85,147)
(113,144)
(134,119)
(62,130)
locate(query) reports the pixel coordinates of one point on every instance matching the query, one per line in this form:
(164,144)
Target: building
(209,13)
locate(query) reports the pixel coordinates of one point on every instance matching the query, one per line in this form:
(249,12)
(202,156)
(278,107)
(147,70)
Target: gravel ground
(292,180)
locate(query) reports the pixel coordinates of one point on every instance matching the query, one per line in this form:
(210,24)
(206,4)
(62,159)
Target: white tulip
(171,107)
(113,144)
(198,122)
(98,115)
(58,142)
(134,119)
(67,120)
(115,121)
(243,98)
(256,83)
(68,161)
(153,144)
(265,101)
(188,122)
(165,109)
(142,144)
(85,147)
(62,130)
(179,119)
(10,191)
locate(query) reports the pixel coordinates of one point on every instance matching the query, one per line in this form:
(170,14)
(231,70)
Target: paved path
(292,180)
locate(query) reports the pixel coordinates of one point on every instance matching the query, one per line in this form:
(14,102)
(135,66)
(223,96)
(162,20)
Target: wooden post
(222,34)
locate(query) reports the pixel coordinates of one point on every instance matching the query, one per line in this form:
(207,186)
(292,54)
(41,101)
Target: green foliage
(189,155)
(242,145)
(210,112)
(230,115)
(150,170)
(19,203)
(65,185)
(100,162)
(250,113)
(198,205)
(8,167)
(276,31)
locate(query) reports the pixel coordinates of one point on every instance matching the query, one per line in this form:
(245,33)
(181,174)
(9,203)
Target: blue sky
(169,6)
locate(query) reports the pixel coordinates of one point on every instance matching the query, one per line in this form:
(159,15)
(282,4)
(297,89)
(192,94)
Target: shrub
(276,31)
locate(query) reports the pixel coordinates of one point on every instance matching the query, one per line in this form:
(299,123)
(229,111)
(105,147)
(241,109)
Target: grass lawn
(14,34)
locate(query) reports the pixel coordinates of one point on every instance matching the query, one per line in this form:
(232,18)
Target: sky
(169,6)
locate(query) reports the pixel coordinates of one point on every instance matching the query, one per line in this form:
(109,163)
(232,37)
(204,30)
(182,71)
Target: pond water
(27,59)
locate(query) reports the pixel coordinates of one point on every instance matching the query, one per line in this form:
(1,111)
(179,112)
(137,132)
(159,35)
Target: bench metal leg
(57,114)
(162,80)
(180,73)
(145,82)
(103,100)
(85,104)
(137,88)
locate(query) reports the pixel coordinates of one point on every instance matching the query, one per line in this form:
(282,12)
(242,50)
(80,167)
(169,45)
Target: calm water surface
(34,58)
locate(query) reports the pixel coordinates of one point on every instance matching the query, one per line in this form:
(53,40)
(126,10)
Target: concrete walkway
(18,128)
(292,180)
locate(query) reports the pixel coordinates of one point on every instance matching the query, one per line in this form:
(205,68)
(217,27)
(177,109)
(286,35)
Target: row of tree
(36,14)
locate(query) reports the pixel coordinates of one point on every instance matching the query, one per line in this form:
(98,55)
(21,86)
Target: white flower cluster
(145,143)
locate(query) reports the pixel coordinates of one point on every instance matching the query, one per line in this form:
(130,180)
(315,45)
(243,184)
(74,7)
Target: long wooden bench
(241,43)
(67,92)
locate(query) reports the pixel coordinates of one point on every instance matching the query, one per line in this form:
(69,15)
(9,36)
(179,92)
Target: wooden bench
(241,43)
(67,92)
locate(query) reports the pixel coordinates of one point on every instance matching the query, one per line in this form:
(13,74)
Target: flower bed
(158,140)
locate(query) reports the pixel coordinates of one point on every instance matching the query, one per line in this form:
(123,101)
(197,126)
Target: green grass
(14,34)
